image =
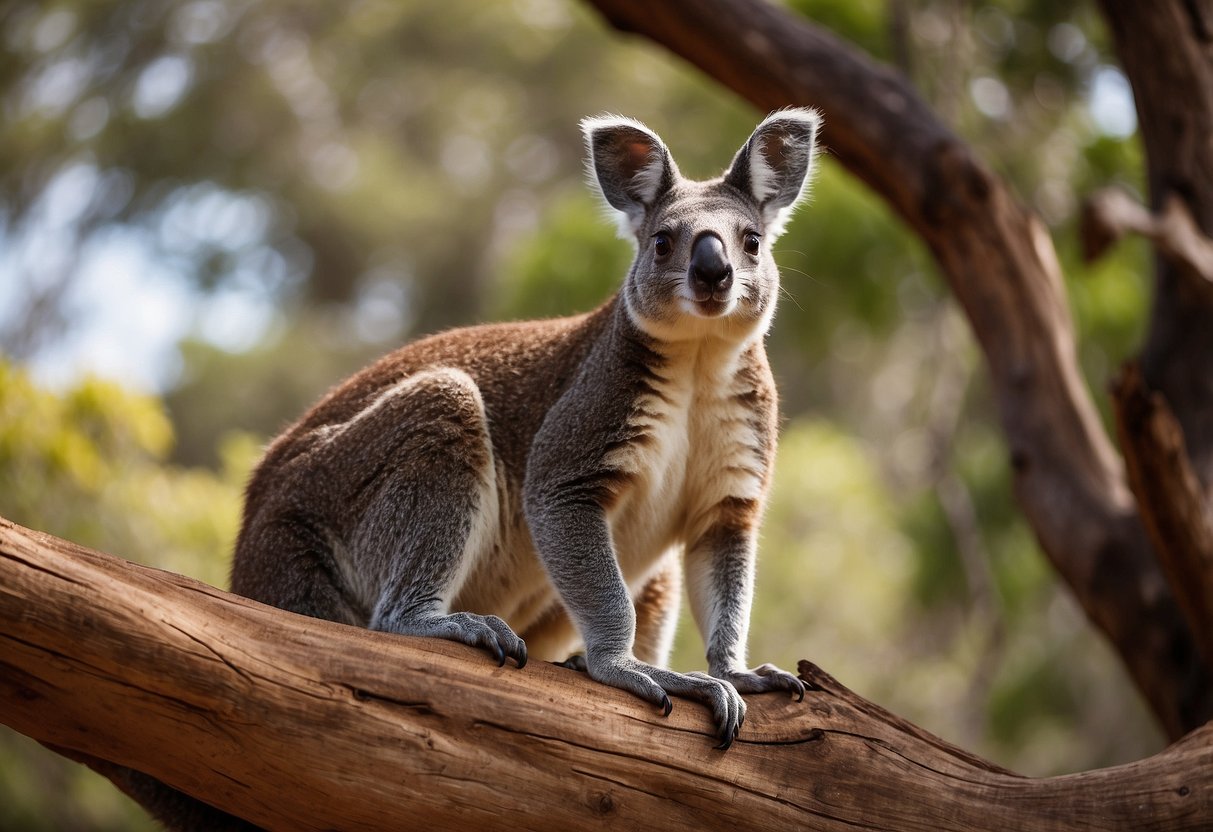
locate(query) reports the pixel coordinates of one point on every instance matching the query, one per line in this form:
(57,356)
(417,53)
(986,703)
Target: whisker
(802,272)
(790,297)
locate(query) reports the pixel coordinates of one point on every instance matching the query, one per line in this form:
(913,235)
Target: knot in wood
(603,803)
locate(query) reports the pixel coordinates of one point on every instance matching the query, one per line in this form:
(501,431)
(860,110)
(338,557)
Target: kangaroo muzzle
(710,273)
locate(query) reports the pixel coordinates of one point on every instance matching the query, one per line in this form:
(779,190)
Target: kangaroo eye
(751,243)
(662,244)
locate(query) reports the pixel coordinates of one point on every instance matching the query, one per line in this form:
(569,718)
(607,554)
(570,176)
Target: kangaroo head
(703,264)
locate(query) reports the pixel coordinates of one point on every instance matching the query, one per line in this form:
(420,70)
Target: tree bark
(999,262)
(1171,498)
(299,724)
(1166,51)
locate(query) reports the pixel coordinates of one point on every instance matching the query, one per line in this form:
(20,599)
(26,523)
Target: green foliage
(88,464)
(862,22)
(568,265)
(830,524)
(846,264)
(1109,300)
(304,155)
(42,792)
(260,390)
(939,577)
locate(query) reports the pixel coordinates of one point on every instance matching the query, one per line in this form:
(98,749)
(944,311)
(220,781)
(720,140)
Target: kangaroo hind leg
(433,509)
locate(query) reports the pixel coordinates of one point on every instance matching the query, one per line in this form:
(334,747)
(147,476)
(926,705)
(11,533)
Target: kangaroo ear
(775,165)
(629,164)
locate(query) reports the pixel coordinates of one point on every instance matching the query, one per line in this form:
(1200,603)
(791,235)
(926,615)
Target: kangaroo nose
(710,270)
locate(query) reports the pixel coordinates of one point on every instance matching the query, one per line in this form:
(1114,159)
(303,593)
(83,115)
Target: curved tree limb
(1000,264)
(301,724)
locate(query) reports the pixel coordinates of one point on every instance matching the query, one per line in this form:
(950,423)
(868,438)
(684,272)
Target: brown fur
(550,478)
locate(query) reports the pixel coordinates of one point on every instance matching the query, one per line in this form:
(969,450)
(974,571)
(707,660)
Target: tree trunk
(1166,51)
(300,724)
(1000,264)
(1165,410)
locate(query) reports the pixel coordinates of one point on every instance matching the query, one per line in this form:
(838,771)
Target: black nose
(710,270)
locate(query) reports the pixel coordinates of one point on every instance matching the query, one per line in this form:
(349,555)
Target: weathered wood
(1172,501)
(1001,266)
(301,724)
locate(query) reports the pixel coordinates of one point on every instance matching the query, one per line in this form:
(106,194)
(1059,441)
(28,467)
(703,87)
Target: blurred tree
(262,387)
(293,152)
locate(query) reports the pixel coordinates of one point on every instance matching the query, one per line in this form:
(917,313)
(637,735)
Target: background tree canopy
(224,207)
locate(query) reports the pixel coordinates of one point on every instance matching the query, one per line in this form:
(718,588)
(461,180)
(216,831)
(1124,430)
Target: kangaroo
(531,488)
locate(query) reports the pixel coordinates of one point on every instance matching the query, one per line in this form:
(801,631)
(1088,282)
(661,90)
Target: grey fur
(529,478)
(774,165)
(538,480)
(629,164)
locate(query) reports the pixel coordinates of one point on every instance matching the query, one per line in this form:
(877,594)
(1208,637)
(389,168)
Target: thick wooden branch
(1000,263)
(300,724)
(1172,501)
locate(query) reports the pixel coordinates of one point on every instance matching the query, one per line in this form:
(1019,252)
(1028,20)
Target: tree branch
(1110,213)
(302,724)
(1172,501)
(1000,263)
